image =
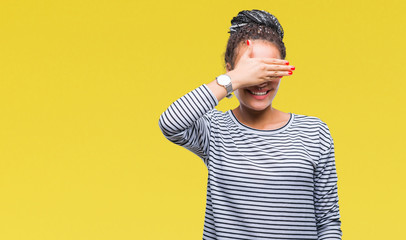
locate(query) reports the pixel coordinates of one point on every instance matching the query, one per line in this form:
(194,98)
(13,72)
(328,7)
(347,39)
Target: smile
(259,93)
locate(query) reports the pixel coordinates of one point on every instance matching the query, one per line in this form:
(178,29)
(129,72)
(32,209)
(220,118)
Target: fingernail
(290,72)
(292,68)
(287,63)
(248,42)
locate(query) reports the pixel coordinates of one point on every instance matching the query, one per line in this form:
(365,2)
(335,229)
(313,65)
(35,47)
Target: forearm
(219,91)
(326,190)
(186,122)
(186,110)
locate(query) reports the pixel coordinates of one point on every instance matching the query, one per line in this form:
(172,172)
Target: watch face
(223,79)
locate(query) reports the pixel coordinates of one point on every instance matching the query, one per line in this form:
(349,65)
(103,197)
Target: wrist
(234,80)
(225,81)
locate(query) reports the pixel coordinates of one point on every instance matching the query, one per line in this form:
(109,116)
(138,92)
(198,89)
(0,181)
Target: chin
(258,106)
(248,102)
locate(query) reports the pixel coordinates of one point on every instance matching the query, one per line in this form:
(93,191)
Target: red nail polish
(287,63)
(292,68)
(290,72)
(248,42)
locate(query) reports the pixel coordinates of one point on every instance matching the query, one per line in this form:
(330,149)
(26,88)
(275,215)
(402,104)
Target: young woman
(271,174)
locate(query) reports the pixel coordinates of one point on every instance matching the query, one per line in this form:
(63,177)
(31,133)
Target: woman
(271,174)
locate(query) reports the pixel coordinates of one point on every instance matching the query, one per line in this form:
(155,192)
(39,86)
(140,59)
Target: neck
(255,119)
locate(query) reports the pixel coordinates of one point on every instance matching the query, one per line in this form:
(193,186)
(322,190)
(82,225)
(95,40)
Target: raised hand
(252,71)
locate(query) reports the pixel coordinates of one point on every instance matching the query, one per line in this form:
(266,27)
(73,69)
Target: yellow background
(83,83)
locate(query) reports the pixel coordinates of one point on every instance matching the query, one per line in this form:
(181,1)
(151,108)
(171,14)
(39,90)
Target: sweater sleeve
(186,122)
(326,195)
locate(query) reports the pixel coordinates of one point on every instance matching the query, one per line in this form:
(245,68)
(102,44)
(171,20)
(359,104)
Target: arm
(326,195)
(186,122)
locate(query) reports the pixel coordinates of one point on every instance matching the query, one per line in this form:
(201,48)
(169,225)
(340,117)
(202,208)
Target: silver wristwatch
(225,81)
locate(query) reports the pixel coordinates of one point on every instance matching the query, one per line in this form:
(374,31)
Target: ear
(228,67)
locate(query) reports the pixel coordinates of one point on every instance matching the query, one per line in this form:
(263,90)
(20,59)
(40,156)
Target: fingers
(274,72)
(275,64)
(277,74)
(272,78)
(279,70)
(272,67)
(274,61)
(248,50)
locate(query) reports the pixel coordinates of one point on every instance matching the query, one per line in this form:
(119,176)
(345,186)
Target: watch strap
(228,87)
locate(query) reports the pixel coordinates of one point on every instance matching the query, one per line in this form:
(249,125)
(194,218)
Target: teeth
(259,93)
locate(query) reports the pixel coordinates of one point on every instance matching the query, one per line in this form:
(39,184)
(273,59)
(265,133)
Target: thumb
(248,50)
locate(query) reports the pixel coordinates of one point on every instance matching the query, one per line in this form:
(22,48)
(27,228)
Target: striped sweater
(262,184)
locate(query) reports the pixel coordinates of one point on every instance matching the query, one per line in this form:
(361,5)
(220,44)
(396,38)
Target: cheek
(239,94)
(275,84)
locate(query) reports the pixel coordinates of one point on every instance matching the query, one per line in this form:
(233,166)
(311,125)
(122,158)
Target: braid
(259,17)
(254,24)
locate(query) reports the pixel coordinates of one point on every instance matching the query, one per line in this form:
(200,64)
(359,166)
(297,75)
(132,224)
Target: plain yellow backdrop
(83,83)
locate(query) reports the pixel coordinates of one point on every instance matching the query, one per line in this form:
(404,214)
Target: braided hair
(254,24)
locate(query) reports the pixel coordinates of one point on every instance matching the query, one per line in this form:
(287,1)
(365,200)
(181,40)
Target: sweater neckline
(261,131)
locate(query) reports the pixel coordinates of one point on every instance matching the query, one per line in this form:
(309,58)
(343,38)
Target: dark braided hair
(254,24)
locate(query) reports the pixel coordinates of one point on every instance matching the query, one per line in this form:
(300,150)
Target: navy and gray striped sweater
(262,184)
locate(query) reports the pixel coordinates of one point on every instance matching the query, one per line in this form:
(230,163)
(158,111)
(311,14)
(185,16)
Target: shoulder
(315,126)
(220,120)
(215,114)
(311,121)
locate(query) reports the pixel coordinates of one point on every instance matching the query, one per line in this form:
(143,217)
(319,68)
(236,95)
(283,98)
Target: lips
(258,94)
